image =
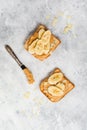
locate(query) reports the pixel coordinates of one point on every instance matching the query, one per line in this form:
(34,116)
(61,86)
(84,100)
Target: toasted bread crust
(68,87)
(29,41)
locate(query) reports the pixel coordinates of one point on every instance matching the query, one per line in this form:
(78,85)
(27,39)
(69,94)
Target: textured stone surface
(23,106)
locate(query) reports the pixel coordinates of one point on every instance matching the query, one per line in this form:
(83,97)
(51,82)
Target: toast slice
(42,43)
(56,86)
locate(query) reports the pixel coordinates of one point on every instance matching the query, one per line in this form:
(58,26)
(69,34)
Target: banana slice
(46,37)
(61,86)
(32,46)
(39,48)
(54,91)
(55,78)
(46,48)
(41,32)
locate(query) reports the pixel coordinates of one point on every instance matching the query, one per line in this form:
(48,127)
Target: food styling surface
(24,106)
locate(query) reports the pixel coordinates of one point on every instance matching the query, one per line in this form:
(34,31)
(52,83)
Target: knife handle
(11,52)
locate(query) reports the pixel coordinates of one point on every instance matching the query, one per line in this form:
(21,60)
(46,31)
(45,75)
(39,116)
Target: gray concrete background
(23,106)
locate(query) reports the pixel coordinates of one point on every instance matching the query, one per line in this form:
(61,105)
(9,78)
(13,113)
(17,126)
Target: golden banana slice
(39,48)
(46,48)
(55,78)
(41,32)
(55,91)
(32,46)
(61,86)
(46,37)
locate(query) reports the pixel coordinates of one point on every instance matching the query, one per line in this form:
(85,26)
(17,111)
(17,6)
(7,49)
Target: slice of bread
(55,88)
(54,42)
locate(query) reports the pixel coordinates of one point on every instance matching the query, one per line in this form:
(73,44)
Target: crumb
(67,28)
(68,16)
(48,17)
(47,63)
(36,110)
(27,95)
(54,22)
(74,35)
(61,13)
(38,101)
